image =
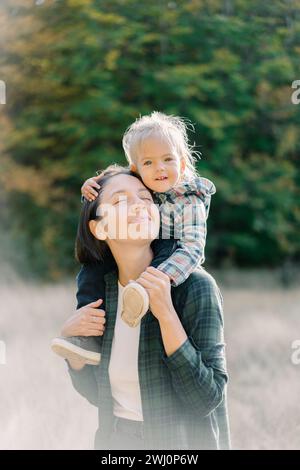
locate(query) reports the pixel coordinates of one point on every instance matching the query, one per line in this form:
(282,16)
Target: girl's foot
(84,348)
(135,303)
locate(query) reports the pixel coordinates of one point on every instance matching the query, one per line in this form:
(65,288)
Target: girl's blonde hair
(172,128)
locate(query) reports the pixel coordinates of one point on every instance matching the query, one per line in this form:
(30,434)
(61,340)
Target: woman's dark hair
(87,248)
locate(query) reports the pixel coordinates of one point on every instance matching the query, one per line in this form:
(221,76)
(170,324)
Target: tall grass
(39,409)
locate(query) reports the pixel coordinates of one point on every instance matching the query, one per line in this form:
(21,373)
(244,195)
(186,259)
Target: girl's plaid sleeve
(190,229)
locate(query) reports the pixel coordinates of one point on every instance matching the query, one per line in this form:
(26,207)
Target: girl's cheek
(145,176)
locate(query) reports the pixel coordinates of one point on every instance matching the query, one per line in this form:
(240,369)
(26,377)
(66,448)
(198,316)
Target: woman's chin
(142,236)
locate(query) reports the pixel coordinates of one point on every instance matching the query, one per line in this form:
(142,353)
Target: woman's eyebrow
(117,192)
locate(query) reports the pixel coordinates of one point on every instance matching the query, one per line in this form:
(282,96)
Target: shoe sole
(69,351)
(135,304)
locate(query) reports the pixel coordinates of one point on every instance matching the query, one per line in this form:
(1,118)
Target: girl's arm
(88,189)
(190,229)
(191,211)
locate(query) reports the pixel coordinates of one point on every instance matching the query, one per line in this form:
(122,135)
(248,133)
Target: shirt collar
(195,185)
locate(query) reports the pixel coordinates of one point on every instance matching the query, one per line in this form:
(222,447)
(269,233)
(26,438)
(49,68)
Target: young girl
(157,149)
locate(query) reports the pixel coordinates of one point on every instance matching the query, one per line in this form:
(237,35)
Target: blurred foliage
(78,72)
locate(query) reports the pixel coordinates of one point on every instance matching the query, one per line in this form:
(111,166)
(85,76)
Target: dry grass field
(39,409)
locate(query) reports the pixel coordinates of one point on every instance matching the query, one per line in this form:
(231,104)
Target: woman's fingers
(150,278)
(157,273)
(93,319)
(157,277)
(92,327)
(145,283)
(97,319)
(93,313)
(94,332)
(86,319)
(95,304)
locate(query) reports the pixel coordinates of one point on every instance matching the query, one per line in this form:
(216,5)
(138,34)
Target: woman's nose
(138,204)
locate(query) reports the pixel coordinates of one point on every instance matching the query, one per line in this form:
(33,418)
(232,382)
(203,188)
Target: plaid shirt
(183,211)
(183,395)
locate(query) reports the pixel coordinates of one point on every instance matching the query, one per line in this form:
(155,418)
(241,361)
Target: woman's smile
(138,219)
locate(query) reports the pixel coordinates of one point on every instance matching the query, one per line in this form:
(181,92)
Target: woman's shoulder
(199,290)
(200,279)
(88,270)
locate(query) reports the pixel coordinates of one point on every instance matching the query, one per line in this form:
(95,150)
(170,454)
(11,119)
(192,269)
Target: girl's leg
(91,287)
(135,298)
(162,248)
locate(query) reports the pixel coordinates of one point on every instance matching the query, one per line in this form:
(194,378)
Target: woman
(161,385)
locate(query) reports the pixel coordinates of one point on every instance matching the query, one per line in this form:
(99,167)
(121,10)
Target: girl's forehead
(155,146)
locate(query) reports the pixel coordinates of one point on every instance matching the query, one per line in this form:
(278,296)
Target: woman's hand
(158,286)
(87,321)
(87,188)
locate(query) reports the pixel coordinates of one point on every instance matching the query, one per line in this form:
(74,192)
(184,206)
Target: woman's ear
(96,229)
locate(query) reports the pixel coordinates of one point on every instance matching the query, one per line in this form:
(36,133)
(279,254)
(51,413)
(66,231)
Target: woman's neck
(131,260)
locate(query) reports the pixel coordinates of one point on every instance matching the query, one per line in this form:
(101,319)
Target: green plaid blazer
(183,396)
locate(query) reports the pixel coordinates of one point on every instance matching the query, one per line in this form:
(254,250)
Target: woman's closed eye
(125,199)
(121,199)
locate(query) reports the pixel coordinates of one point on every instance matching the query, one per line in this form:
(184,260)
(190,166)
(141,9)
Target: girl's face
(158,164)
(128,211)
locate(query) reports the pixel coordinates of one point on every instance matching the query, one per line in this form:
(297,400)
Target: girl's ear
(182,165)
(96,229)
(133,167)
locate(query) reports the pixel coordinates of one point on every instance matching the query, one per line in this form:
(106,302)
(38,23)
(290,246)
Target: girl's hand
(87,188)
(87,321)
(158,286)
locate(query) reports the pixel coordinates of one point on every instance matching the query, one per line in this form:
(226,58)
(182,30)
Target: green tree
(78,72)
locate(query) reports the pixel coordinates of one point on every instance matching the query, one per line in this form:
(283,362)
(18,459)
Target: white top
(123,368)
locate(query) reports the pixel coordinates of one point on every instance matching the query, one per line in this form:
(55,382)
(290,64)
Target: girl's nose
(160,166)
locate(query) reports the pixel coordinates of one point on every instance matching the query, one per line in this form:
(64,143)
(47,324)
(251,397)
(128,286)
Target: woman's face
(127,210)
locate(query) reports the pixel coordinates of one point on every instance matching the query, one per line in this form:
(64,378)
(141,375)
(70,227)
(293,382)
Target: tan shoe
(135,303)
(84,348)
